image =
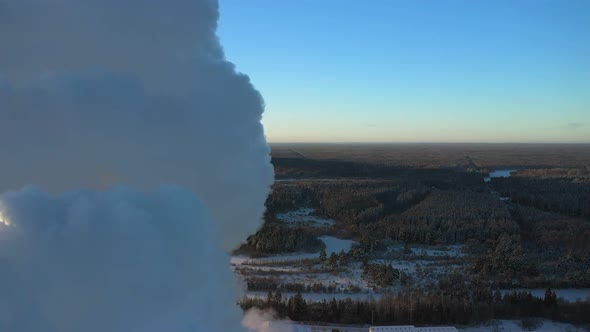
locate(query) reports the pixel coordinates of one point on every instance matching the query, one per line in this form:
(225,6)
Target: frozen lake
(499,173)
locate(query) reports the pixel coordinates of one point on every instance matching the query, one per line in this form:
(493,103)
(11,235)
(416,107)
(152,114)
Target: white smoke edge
(265,320)
(97,93)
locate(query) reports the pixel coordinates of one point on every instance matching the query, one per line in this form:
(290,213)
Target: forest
(527,230)
(434,307)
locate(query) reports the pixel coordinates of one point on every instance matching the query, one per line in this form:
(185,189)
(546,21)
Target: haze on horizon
(415,71)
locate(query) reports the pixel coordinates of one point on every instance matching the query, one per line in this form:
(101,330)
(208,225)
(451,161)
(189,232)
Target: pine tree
(277,297)
(342,258)
(299,307)
(550,299)
(333,260)
(323,255)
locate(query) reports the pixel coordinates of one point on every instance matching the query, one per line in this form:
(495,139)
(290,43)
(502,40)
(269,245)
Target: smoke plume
(257,320)
(100,92)
(133,94)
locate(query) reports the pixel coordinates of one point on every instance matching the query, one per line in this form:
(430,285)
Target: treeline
(276,238)
(262,284)
(558,235)
(383,275)
(409,210)
(436,307)
(580,174)
(344,200)
(439,177)
(554,195)
(504,262)
(447,217)
(352,203)
(442,155)
(558,245)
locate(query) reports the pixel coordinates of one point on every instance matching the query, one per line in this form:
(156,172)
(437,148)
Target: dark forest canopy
(529,230)
(458,306)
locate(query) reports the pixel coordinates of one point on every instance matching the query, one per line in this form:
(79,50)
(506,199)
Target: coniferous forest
(529,228)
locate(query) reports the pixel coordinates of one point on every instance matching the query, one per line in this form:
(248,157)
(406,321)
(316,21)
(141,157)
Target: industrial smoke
(133,160)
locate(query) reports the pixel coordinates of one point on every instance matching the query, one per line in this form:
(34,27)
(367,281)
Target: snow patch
(304,217)
(335,245)
(515,326)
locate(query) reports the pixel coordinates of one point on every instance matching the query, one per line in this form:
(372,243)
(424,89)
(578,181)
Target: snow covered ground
(347,281)
(515,326)
(451,250)
(424,265)
(336,245)
(304,217)
(499,325)
(280,267)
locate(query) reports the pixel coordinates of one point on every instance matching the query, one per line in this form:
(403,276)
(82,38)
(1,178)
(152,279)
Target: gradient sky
(415,71)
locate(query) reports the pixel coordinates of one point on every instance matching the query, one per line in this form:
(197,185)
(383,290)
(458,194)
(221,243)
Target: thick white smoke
(97,93)
(119,260)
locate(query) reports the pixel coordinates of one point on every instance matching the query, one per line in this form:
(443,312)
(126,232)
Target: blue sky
(415,71)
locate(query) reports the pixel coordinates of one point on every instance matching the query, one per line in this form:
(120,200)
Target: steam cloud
(265,321)
(98,93)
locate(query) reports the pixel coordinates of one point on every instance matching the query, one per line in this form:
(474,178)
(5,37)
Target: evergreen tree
(323,255)
(299,307)
(342,259)
(277,297)
(550,298)
(333,260)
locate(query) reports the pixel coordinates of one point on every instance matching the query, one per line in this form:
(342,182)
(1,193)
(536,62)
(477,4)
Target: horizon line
(426,142)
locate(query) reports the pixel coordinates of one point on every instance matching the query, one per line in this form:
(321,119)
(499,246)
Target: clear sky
(415,70)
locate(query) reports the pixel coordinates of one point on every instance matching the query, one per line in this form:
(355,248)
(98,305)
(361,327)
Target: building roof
(411,328)
(281,326)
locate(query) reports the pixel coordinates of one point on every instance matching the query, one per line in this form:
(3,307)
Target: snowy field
(304,217)
(288,269)
(346,281)
(334,245)
(498,325)
(451,251)
(515,326)
(424,265)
